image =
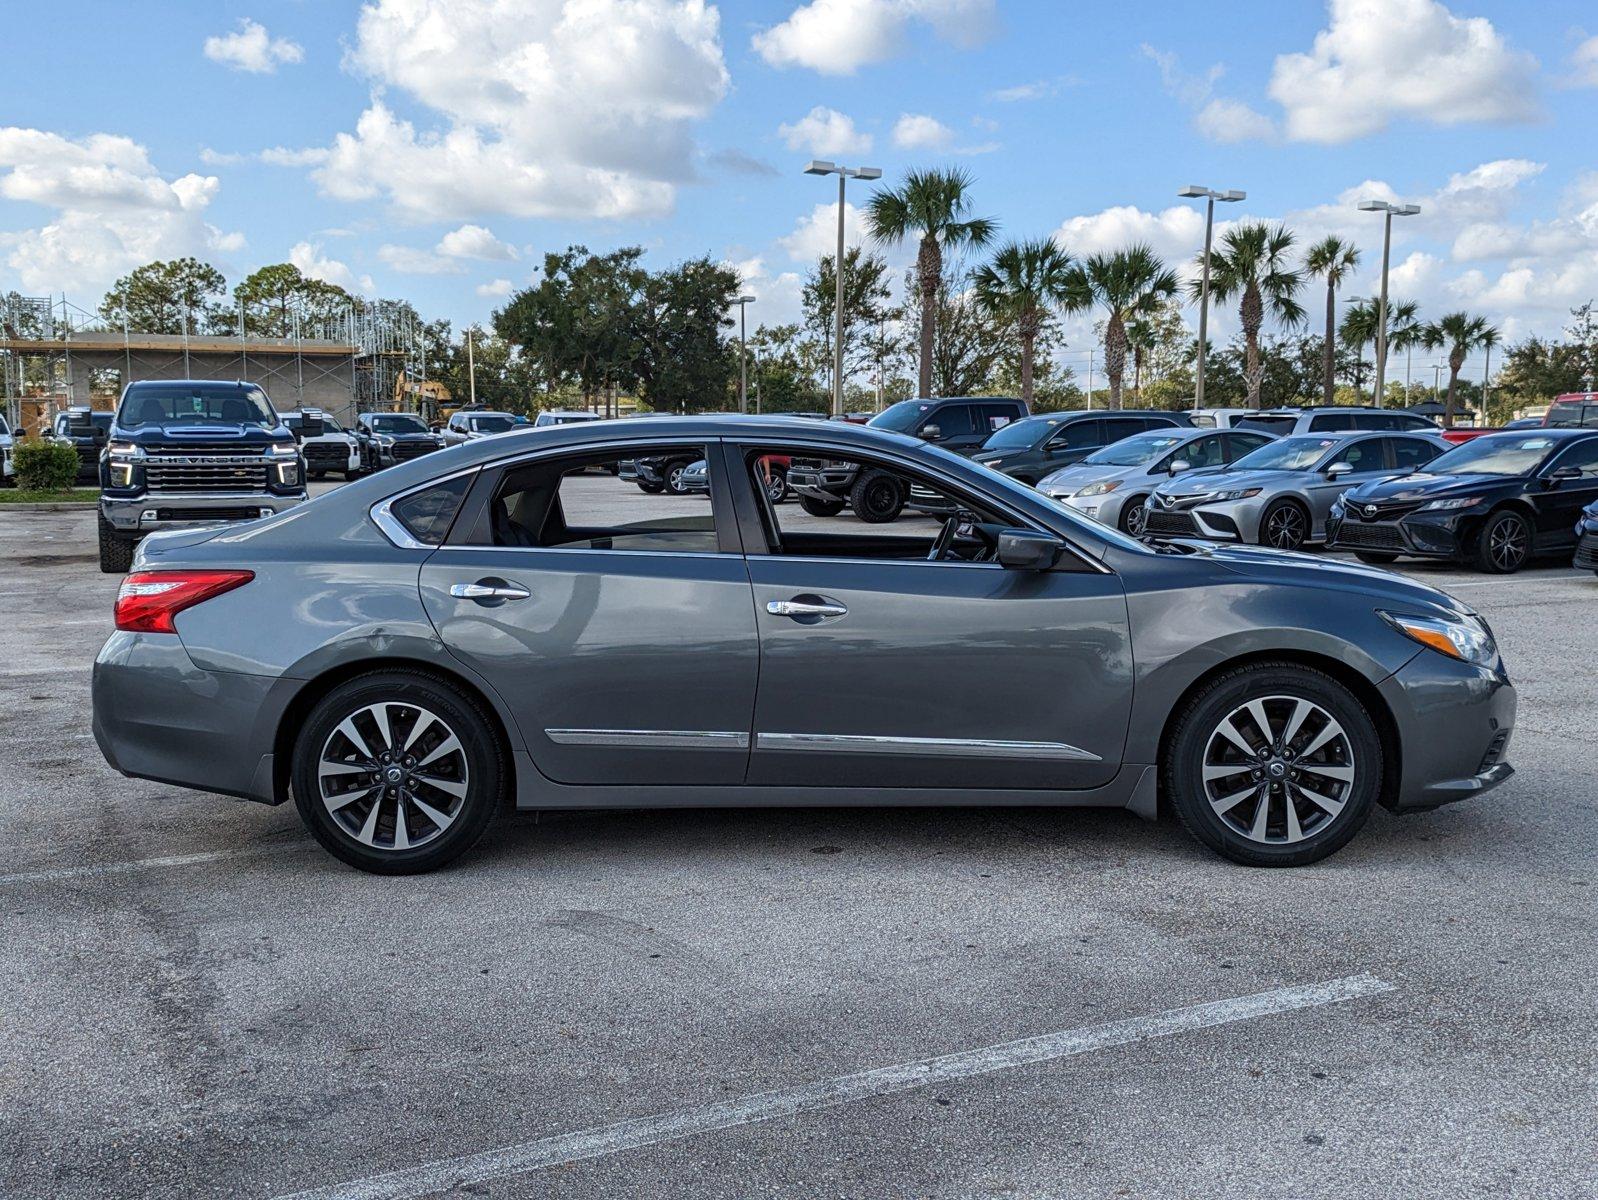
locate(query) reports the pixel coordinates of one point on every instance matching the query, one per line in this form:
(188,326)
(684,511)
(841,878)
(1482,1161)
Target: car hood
(1196,483)
(1071,479)
(1381,586)
(409,437)
(1423,485)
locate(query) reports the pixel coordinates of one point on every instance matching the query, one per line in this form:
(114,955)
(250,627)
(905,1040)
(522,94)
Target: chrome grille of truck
(205,473)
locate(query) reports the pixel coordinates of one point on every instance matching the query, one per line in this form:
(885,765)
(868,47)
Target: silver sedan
(1280,494)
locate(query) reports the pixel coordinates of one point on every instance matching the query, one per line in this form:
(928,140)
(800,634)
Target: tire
(1284,525)
(1133,515)
(351,832)
(1503,544)
(652,489)
(1375,557)
(116,551)
(1351,759)
(673,475)
(317,475)
(820,508)
(877,497)
(351,476)
(613,468)
(777,486)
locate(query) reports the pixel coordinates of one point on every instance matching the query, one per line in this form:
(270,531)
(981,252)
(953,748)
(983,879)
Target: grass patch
(67,496)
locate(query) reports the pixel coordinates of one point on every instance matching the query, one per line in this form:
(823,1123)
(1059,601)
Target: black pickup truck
(192,452)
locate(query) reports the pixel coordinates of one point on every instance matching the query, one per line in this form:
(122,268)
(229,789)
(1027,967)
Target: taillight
(148,600)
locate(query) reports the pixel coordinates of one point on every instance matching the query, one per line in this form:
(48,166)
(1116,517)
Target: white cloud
(250,48)
(837,37)
(573,110)
(308,257)
(917,131)
(113,210)
(495,289)
(473,241)
(817,233)
(778,297)
(825,131)
(1378,61)
(1584,64)
(410,260)
(1173,233)
(1037,89)
(1227,121)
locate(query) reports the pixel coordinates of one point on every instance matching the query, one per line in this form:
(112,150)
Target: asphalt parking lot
(199,1002)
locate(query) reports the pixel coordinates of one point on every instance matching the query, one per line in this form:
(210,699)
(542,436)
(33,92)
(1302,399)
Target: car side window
(589,502)
(1078,435)
(1113,429)
(428,514)
(1411,454)
(1204,452)
(993,417)
(1583,456)
(953,421)
(1243,443)
(1330,422)
(1362,456)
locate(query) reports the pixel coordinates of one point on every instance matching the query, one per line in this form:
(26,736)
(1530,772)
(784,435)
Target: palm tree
(1489,339)
(1141,338)
(1130,283)
(1333,260)
(1019,287)
(933,206)
(1251,263)
(1404,332)
(1461,333)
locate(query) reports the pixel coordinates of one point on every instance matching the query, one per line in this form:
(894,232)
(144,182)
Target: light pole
(1192,192)
(743,303)
(822,167)
(1390,211)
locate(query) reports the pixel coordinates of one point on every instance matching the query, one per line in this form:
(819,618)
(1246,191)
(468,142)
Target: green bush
(45,466)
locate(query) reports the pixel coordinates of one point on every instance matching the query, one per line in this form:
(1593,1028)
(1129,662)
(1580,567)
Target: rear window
(1278,424)
(428,514)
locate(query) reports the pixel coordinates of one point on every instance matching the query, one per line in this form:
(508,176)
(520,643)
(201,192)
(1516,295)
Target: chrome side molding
(647,739)
(857,743)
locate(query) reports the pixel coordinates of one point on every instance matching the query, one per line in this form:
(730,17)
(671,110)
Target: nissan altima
(419,649)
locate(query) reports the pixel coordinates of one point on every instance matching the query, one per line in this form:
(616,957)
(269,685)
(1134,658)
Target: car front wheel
(1273,765)
(1284,526)
(1134,516)
(1504,543)
(397,772)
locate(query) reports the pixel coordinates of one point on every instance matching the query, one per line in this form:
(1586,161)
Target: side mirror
(931,433)
(1557,478)
(1338,469)
(1023,550)
(1179,465)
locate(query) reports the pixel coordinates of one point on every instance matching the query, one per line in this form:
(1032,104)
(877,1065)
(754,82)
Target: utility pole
(1210,196)
(1390,211)
(471,368)
(822,167)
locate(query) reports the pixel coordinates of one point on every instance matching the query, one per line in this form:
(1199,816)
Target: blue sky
(433,149)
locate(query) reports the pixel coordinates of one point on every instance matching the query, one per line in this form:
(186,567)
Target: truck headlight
(121,457)
(1466,638)
(285,462)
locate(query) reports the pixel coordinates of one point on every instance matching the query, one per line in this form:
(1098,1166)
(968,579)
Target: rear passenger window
(1116,428)
(993,417)
(953,421)
(427,515)
(1078,435)
(1411,454)
(1329,422)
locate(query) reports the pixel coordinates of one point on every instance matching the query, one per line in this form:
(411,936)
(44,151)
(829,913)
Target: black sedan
(1495,502)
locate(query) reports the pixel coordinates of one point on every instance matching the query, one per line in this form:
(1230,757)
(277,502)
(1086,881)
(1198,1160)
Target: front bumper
(821,483)
(1106,507)
(135,515)
(1454,726)
(1587,551)
(1222,521)
(1422,534)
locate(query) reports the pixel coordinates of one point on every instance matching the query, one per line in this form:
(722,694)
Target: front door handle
(489,592)
(806,608)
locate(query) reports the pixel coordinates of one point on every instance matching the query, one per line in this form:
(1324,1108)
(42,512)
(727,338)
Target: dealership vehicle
(1284,422)
(469,425)
(1280,494)
(562,416)
(1113,484)
(1030,449)
(1587,539)
(1495,502)
(390,438)
(326,445)
(1523,423)
(696,478)
(655,474)
(490,648)
(7,444)
(1217,418)
(192,452)
(957,423)
(1573,409)
(85,430)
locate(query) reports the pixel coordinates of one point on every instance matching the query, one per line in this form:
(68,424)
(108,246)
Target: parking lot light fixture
(820,166)
(1390,211)
(743,303)
(1209,195)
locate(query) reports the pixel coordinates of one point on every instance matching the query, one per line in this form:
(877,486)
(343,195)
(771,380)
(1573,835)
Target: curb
(63,506)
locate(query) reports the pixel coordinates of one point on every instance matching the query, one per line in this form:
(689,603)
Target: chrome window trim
(382,513)
(650,739)
(856,743)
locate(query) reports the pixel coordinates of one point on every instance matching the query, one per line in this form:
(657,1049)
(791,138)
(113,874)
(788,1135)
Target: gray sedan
(1281,494)
(497,624)
(1112,484)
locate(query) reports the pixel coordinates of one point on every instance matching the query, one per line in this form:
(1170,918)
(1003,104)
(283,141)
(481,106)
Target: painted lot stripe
(52,874)
(829,1093)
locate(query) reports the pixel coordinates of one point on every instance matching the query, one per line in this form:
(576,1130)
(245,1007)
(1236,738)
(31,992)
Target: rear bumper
(138,515)
(1454,723)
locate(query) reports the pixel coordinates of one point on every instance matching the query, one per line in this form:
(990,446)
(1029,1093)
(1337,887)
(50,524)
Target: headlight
(385,439)
(282,451)
(1237,494)
(1099,489)
(1457,502)
(1466,639)
(128,451)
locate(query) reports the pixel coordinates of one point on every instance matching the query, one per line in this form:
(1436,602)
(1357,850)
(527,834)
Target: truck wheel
(877,497)
(318,474)
(820,508)
(116,551)
(352,475)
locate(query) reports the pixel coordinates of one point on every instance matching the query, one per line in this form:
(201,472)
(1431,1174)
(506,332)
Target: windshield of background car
(1495,454)
(1573,416)
(176,404)
(1289,454)
(399,425)
(492,424)
(1019,435)
(907,416)
(1133,451)
(1279,424)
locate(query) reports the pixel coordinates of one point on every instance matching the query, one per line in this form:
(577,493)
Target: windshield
(903,417)
(1133,451)
(495,424)
(180,404)
(1495,454)
(1583,416)
(1289,454)
(399,424)
(1019,435)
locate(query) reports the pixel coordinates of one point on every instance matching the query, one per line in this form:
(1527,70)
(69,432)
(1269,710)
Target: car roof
(214,385)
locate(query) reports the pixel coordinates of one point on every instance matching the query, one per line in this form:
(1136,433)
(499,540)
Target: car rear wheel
(1134,516)
(877,497)
(397,772)
(1503,544)
(674,473)
(1273,765)
(1375,557)
(1284,526)
(116,551)
(820,508)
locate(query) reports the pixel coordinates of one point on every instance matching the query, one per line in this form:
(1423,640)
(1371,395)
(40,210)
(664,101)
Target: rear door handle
(489,591)
(802,608)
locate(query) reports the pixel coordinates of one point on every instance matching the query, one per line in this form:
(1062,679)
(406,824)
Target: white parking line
(52,874)
(450,1173)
